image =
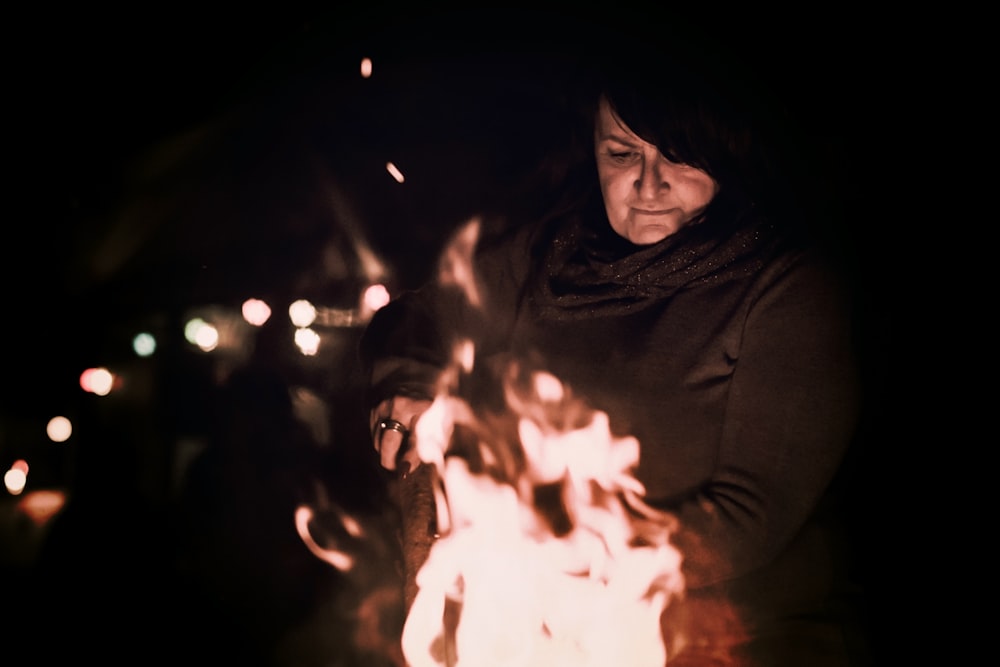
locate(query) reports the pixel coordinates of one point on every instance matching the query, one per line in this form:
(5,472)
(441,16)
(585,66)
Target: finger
(389,448)
(409,460)
(395,446)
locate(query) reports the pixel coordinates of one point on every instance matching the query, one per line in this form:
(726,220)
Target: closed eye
(623,157)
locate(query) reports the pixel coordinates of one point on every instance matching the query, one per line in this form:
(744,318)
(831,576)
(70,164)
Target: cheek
(615,189)
(699,192)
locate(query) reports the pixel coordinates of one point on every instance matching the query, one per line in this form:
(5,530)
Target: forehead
(610,126)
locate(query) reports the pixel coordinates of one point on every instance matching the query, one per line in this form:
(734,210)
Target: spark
(394,172)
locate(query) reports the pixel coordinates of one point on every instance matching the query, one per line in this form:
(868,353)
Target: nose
(652,177)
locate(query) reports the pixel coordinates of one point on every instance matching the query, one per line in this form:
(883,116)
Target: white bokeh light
(191,329)
(97,381)
(59,429)
(302,313)
(144,344)
(256,312)
(374,297)
(307,341)
(15,480)
(207,337)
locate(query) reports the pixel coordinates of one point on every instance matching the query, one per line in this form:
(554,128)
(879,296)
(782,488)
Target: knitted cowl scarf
(588,270)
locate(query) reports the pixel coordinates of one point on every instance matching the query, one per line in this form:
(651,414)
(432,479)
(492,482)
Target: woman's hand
(392,425)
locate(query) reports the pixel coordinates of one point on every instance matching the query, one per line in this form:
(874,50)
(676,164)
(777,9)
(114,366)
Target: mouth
(642,211)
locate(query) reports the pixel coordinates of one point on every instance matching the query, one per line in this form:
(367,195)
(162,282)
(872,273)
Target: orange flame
(554,560)
(547,553)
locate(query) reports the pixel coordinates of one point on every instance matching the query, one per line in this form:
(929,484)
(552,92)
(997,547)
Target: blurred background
(204,210)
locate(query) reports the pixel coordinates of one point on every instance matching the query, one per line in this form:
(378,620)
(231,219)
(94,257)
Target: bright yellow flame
(256,312)
(302,313)
(394,172)
(366,67)
(59,429)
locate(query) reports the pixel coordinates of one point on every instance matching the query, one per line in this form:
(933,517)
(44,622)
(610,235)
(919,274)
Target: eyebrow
(620,138)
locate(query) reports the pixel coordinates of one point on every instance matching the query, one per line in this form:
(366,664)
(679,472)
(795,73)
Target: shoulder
(511,245)
(773,264)
(804,289)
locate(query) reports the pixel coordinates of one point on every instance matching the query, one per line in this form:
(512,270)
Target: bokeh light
(97,381)
(191,329)
(59,429)
(307,341)
(256,312)
(144,344)
(302,313)
(15,480)
(374,297)
(366,67)
(207,337)
(202,334)
(42,505)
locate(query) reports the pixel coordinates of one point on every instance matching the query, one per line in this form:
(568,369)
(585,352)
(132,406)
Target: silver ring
(391,425)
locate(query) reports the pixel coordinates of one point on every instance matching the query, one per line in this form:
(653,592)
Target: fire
(547,554)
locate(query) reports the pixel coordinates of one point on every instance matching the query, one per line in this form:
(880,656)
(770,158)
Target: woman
(677,290)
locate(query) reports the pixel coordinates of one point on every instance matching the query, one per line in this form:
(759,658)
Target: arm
(790,416)
(402,352)
(409,342)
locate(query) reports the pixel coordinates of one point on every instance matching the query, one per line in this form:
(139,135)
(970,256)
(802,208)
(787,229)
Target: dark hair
(681,103)
(690,97)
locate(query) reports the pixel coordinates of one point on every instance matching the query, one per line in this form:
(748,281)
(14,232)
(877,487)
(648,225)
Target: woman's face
(647,197)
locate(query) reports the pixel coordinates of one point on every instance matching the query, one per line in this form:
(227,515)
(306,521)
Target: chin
(650,235)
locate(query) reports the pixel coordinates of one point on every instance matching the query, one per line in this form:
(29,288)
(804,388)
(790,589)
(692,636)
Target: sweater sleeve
(790,415)
(402,350)
(408,342)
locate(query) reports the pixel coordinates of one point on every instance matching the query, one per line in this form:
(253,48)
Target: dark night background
(161,160)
